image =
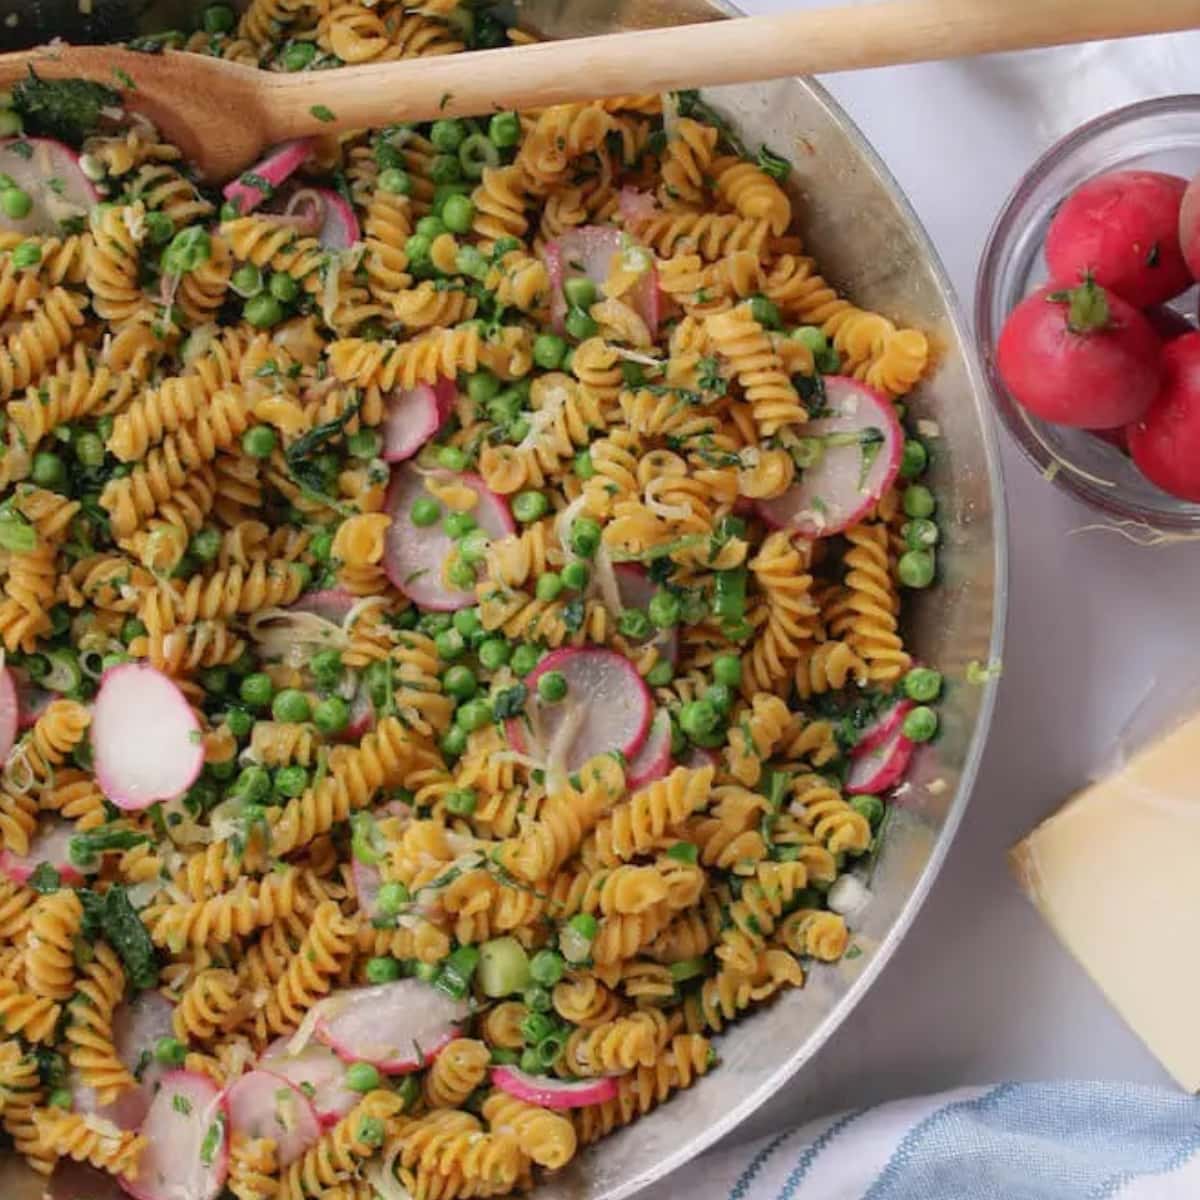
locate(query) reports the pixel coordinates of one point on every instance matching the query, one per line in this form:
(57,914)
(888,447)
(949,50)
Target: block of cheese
(1116,873)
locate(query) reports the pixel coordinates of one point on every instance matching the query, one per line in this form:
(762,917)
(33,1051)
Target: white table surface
(980,990)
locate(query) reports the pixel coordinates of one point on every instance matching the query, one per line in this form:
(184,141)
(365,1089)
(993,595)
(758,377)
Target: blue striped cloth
(1012,1141)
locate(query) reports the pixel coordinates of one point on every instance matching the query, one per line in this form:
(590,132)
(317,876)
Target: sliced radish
(548,1092)
(414,557)
(339,230)
(187,1151)
(49,172)
(127,1111)
(367,882)
(137,1028)
(32,700)
(413,416)
(331,604)
(881,728)
(146,740)
(283,162)
(881,768)
(635,205)
(51,844)
(607,707)
(318,1073)
(847,479)
(653,760)
(637,589)
(265,1105)
(362,716)
(79,1181)
(397,1027)
(589,251)
(10,713)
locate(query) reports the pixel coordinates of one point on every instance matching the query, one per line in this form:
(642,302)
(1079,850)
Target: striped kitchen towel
(1011,1141)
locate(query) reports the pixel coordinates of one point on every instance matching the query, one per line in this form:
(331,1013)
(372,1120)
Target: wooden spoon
(222,115)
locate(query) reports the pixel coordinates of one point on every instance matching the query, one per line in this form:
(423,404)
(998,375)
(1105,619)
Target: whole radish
(1080,356)
(1122,229)
(1165,443)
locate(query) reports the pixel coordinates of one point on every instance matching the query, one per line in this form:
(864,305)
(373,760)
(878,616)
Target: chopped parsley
(510,702)
(124,78)
(212,1139)
(322,113)
(181,1104)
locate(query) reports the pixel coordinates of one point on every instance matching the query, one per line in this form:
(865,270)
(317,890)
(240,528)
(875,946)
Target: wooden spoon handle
(718,52)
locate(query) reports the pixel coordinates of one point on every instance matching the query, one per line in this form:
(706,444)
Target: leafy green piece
(84,848)
(322,112)
(771,164)
(690,105)
(125,932)
(299,454)
(45,879)
(510,702)
(66,109)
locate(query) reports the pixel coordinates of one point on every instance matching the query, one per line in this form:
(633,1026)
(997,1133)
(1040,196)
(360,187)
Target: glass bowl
(1158,135)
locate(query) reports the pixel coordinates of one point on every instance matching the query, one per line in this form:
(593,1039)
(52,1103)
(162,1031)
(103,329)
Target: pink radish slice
(362,717)
(51,844)
(846,480)
(881,768)
(332,605)
(635,205)
(547,1092)
(138,1025)
(413,416)
(128,1111)
(263,1104)
(653,760)
(49,172)
(637,589)
(589,251)
(10,713)
(881,728)
(146,740)
(283,162)
(317,1072)
(32,700)
(339,230)
(367,882)
(606,698)
(78,1181)
(414,557)
(398,1027)
(187,1151)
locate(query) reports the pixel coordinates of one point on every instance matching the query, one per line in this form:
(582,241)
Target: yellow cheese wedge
(1116,873)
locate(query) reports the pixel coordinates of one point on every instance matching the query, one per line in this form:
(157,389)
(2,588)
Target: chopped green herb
(124,78)
(181,1104)
(322,113)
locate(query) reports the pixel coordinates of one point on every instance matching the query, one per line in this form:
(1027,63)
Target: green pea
(583,466)
(528,507)
(361,1077)
(460,682)
(575,575)
(461,802)
(505,130)
(537,999)
(60,1098)
(291,781)
(467,622)
(283,287)
(459,214)
(291,705)
(721,697)
(698,718)
(259,441)
(392,898)
(448,134)
(585,536)
(383,969)
(727,669)
(445,168)
(431,227)
(524,658)
(262,311)
(223,772)
(922,684)
(257,690)
(916,568)
(660,674)
(552,687)
(548,351)
(914,459)
(505,408)
(425,512)
(530,1061)
(240,722)
(417,248)
(253,784)
(27,254)
(215,680)
(450,645)
(298,55)
(870,807)
(473,548)
(247,280)
(331,715)
(461,575)
(49,470)
(920,724)
(665,609)
(469,260)
(547,967)
(580,324)
(580,292)
(395,181)
(473,715)
(765,313)
(205,544)
(218,18)
(326,667)
(170,1051)
(89,449)
(635,624)
(918,501)
(320,545)
(11,124)
(549,587)
(475,154)
(454,459)
(16,203)
(482,386)
(453,742)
